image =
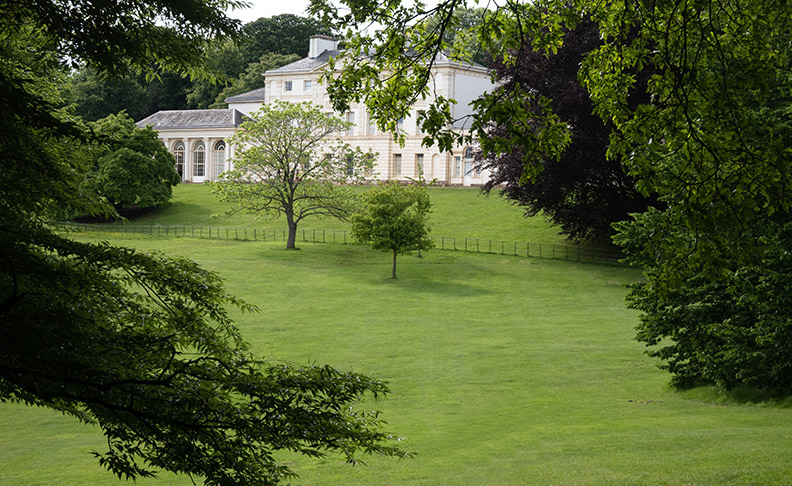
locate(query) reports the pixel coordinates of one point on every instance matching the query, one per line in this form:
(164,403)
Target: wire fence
(571,252)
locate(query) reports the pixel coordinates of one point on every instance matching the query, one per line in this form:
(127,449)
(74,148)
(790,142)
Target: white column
(227,155)
(207,161)
(187,159)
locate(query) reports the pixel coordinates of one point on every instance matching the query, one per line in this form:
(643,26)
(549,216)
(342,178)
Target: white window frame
(199,160)
(219,159)
(350,118)
(178,153)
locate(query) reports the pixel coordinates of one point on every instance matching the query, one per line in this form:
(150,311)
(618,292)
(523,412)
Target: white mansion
(197,138)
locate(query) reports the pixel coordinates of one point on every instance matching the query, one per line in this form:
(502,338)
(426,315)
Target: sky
(269,8)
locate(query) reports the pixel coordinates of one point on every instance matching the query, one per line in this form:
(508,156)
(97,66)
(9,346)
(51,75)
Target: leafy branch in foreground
(142,346)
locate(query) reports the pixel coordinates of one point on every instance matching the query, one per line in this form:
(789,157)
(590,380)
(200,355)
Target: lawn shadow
(408,283)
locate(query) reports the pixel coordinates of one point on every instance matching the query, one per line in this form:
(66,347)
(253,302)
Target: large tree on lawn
(139,345)
(286,163)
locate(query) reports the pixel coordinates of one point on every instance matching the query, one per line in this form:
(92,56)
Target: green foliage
(139,345)
(253,77)
(714,143)
(460,34)
(133,169)
(286,164)
(393,218)
(227,62)
(95,97)
(285,34)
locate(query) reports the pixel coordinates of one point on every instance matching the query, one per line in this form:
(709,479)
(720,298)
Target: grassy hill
(506,371)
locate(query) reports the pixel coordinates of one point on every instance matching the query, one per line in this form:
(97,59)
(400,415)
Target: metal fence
(571,252)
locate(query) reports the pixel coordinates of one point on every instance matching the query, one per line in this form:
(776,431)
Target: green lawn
(507,371)
(456,212)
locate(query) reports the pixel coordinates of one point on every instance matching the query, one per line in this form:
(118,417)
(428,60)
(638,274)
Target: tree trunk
(292,231)
(394,264)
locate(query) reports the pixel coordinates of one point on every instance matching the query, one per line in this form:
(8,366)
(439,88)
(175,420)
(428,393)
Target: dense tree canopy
(95,97)
(287,164)
(710,137)
(285,34)
(583,191)
(131,169)
(138,344)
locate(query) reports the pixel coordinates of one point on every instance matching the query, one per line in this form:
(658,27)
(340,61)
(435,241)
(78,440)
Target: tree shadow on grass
(741,395)
(408,283)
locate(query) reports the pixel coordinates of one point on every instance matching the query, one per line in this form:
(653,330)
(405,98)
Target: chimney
(319,44)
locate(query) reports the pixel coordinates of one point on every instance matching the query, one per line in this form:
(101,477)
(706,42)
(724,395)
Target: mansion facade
(198,138)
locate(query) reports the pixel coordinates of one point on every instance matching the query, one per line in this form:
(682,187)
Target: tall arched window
(178,153)
(468,161)
(199,160)
(219,157)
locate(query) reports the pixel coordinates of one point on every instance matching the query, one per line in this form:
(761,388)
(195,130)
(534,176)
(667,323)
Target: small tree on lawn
(394,218)
(286,164)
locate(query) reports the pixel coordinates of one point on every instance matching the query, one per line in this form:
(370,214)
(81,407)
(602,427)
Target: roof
(309,64)
(306,64)
(251,96)
(170,119)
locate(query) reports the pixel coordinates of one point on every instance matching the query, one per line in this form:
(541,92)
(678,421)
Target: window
(178,153)
(307,85)
(372,125)
(468,161)
(287,86)
(219,157)
(397,164)
(400,123)
(350,165)
(350,118)
(457,166)
(419,165)
(199,160)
